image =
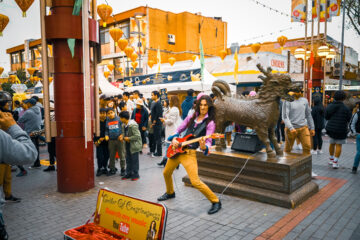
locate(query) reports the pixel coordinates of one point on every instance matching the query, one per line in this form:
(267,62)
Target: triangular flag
(76,12)
(202,60)
(236,68)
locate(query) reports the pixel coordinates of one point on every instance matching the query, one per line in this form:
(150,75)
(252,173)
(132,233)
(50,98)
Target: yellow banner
(314,8)
(298,11)
(130,217)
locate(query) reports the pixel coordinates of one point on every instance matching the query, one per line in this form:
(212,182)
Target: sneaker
(331,161)
(314,152)
(22,173)
(155,155)
(135,178)
(49,169)
(122,173)
(35,166)
(127,176)
(313,175)
(335,165)
(354,170)
(111,172)
(320,151)
(104,171)
(12,199)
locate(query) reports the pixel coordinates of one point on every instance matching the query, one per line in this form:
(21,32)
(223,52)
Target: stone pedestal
(284,181)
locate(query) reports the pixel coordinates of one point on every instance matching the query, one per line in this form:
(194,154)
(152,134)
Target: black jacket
(318,114)
(144,117)
(338,116)
(156,112)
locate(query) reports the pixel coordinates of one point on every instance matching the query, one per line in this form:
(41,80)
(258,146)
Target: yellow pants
(303,134)
(5,178)
(189,161)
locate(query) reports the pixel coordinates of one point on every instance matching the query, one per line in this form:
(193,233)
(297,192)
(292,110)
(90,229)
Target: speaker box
(247,142)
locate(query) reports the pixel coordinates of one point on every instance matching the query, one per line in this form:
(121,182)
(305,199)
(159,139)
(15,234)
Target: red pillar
(75,163)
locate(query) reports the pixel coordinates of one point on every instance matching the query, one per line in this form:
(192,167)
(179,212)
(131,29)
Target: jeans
(151,142)
(132,163)
(157,137)
(357,156)
(35,140)
(280,128)
(102,155)
(52,151)
(317,139)
(116,146)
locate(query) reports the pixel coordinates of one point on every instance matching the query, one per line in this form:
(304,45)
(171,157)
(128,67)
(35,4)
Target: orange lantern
(110,67)
(1,70)
(36,78)
(255,47)
(172,60)
(193,58)
(134,64)
(116,34)
(222,54)
(51,79)
(128,51)
(106,74)
(282,40)
(104,11)
(133,57)
(31,71)
(120,69)
(122,43)
(4,20)
(151,63)
(24,5)
(12,78)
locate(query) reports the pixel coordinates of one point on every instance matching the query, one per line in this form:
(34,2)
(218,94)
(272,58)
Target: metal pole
(139,34)
(310,66)
(305,81)
(45,72)
(342,47)
(96,80)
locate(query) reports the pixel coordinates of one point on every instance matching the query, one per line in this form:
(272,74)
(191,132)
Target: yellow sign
(130,217)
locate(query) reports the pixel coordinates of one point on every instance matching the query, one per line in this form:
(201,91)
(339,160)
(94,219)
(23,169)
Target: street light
(138,17)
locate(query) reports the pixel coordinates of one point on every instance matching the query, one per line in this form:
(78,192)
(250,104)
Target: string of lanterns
(270,8)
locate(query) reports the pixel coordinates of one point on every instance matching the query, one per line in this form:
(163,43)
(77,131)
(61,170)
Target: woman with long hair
(171,120)
(200,124)
(152,234)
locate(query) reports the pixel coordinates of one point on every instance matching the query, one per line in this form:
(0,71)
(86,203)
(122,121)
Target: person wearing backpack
(355,128)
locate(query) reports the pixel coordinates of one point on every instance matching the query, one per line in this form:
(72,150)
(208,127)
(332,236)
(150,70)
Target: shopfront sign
(336,87)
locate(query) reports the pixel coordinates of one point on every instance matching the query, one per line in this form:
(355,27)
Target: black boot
(163,162)
(49,168)
(166,196)
(215,208)
(354,170)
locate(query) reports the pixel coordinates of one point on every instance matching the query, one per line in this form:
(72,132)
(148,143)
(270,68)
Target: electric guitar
(37,133)
(183,142)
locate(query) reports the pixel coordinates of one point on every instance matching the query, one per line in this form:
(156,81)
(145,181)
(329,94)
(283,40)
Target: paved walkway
(333,213)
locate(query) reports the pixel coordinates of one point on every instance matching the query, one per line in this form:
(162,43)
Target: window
(15,58)
(125,27)
(104,36)
(23,56)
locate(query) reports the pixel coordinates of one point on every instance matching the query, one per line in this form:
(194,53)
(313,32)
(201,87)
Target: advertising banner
(130,217)
(298,11)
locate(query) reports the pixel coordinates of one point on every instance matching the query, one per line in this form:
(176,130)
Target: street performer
(201,123)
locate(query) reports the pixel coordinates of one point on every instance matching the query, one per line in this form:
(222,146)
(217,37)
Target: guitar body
(173,152)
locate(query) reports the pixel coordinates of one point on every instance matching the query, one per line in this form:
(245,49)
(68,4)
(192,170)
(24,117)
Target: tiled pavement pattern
(45,213)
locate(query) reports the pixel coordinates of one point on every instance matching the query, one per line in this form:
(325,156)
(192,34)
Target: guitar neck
(194,140)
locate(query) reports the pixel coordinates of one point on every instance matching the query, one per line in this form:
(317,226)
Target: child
(102,151)
(112,134)
(133,145)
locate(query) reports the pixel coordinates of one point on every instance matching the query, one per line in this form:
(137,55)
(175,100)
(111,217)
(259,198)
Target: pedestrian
(32,123)
(132,138)
(200,124)
(280,126)
(141,117)
(187,104)
(18,109)
(102,148)
(171,120)
(318,115)
(156,114)
(298,122)
(16,148)
(129,103)
(51,145)
(355,129)
(338,117)
(112,135)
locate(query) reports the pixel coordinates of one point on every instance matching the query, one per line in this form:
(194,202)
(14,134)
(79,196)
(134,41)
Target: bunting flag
(202,61)
(298,11)
(76,12)
(314,8)
(236,68)
(334,8)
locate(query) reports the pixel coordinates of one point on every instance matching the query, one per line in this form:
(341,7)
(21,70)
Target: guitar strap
(196,131)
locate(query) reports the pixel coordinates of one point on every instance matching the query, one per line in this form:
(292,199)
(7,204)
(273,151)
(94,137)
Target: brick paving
(45,213)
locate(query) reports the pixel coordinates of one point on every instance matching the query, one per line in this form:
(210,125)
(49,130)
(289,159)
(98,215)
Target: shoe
(135,178)
(98,172)
(163,162)
(331,161)
(215,208)
(320,151)
(127,176)
(178,167)
(22,173)
(111,172)
(335,165)
(150,153)
(122,173)
(166,196)
(104,171)
(314,152)
(12,199)
(13,169)
(155,155)
(313,175)
(50,168)
(3,233)
(354,170)
(35,166)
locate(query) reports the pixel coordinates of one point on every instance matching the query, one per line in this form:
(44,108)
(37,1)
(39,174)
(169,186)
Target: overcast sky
(245,19)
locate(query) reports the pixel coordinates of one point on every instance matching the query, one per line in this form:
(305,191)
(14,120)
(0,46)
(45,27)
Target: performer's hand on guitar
(175,143)
(202,144)
(127,139)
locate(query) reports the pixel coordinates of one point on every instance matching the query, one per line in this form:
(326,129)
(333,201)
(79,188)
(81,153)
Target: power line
(268,34)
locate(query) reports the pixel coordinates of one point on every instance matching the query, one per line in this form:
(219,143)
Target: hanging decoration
(122,43)
(255,47)
(282,40)
(104,11)
(193,58)
(110,67)
(1,70)
(106,74)
(4,20)
(134,65)
(51,79)
(116,34)
(24,5)
(222,54)
(31,71)
(172,60)
(151,63)
(120,70)
(128,51)
(133,57)
(299,53)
